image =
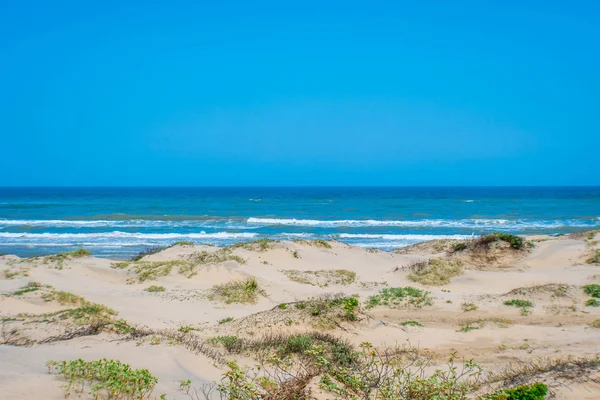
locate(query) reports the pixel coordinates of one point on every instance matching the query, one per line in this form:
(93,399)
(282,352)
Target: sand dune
(467,315)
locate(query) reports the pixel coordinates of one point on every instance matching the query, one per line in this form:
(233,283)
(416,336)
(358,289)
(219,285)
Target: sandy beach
(494,303)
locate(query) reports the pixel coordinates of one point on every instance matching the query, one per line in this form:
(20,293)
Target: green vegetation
(466,307)
(535,391)
(592,303)
(31,287)
(183,243)
(516,242)
(196,259)
(594,257)
(104,379)
(149,270)
(519,303)
(592,290)
(225,320)
(458,247)
(595,323)
(155,288)
(321,278)
(60,258)
(8,274)
(317,243)
(523,305)
(436,271)
(245,291)
(401,296)
(147,252)
(295,254)
(257,245)
(412,323)
(64,298)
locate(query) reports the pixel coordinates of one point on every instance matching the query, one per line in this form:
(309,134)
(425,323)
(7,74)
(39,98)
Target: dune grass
(435,271)
(256,245)
(594,257)
(400,297)
(243,291)
(155,288)
(321,278)
(592,290)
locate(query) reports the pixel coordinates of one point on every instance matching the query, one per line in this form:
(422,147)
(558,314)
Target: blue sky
(318,93)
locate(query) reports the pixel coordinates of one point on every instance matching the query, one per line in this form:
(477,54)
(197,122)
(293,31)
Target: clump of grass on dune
(257,245)
(104,379)
(484,241)
(436,271)
(64,298)
(155,288)
(594,257)
(317,243)
(31,287)
(147,252)
(60,258)
(243,291)
(400,297)
(592,290)
(322,278)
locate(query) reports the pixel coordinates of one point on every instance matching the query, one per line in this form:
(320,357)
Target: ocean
(119,222)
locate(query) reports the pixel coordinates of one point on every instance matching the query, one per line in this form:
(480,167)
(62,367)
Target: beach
(501,302)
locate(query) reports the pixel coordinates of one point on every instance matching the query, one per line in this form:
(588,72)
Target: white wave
(399,237)
(117,235)
(426,223)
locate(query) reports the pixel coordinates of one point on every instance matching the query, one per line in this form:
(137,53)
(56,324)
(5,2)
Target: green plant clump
(245,291)
(225,320)
(594,258)
(519,303)
(106,378)
(436,271)
(412,323)
(31,287)
(535,391)
(155,288)
(400,296)
(592,290)
(592,303)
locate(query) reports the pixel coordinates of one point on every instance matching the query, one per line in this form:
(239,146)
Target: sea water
(119,222)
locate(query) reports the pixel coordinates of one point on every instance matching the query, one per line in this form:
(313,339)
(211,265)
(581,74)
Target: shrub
(147,252)
(31,287)
(594,258)
(412,323)
(401,296)
(592,303)
(435,272)
(592,290)
(225,320)
(459,247)
(155,288)
(516,242)
(245,291)
(535,391)
(183,243)
(595,323)
(519,303)
(64,298)
(106,378)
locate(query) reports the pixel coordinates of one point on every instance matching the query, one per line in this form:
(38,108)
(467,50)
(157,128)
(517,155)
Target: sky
(349,93)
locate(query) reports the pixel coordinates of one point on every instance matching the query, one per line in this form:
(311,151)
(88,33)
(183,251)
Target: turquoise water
(118,222)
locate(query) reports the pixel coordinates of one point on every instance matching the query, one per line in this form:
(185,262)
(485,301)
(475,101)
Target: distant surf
(118,222)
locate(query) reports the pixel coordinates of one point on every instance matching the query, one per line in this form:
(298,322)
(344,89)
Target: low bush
(400,296)
(535,391)
(105,378)
(245,291)
(592,290)
(466,307)
(592,303)
(155,288)
(516,242)
(436,271)
(519,303)
(594,257)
